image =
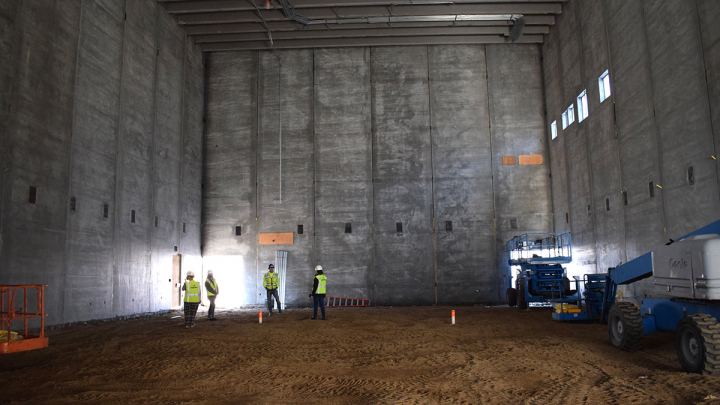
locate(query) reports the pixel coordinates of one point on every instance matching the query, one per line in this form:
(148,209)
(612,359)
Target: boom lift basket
(10,341)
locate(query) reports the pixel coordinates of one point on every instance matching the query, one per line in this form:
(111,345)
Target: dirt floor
(358,356)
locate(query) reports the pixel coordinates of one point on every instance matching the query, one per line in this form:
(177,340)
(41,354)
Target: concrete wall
(373,137)
(101,102)
(658,122)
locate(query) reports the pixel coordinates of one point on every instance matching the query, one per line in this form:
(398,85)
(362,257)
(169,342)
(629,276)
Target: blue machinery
(686,287)
(541,278)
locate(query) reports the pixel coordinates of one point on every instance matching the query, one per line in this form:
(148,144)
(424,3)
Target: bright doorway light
(230,274)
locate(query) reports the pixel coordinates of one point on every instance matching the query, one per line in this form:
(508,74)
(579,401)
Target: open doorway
(176,277)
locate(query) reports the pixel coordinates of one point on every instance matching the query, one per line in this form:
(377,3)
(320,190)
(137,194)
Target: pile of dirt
(359,355)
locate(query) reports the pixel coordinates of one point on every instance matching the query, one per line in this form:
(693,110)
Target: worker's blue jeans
(270,294)
(319,301)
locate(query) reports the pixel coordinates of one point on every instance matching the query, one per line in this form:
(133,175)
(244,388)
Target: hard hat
(191,273)
(210,273)
(318,268)
(271,267)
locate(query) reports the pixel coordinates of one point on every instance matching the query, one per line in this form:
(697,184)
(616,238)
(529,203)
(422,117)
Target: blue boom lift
(542,278)
(686,277)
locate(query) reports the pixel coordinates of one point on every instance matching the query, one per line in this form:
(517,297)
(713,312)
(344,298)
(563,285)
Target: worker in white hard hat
(213,290)
(192,299)
(318,292)
(271,282)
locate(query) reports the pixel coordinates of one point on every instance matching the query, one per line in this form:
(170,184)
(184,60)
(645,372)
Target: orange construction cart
(19,341)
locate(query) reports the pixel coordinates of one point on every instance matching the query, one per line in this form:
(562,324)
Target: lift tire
(697,341)
(521,303)
(511,295)
(625,326)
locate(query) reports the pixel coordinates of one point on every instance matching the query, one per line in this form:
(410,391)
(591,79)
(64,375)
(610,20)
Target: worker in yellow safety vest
(192,299)
(271,281)
(212,289)
(318,292)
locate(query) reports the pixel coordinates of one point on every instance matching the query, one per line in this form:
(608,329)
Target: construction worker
(318,292)
(271,281)
(212,291)
(192,299)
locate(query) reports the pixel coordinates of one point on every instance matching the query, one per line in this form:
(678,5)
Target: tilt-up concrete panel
(632,94)
(599,131)
(286,193)
(517,127)
(229,178)
(167,136)
(343,171)
(402,167)
(709,14)
(682,116)
(190,204)
(576,149)
(10,40)
(462,175)
(135,160)
(38,141)
(554,106)
(89,274)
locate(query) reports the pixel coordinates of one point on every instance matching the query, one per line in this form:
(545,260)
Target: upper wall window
(582,104)
(571,114)
(553,129)
(604,83)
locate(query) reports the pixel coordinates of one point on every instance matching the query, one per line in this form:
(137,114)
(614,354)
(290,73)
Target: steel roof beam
(365,33)
(354,42)
(209,6)
(275,26)
(527,9)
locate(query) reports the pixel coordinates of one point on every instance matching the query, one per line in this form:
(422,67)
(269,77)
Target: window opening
(604,84)
(582,104)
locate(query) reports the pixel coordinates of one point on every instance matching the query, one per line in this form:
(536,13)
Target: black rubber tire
(697,341)
(511,295)
(625,326)
(521,303)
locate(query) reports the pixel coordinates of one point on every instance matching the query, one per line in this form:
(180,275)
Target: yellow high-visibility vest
(192,291)
(321,284)
(213,283)
(271,281)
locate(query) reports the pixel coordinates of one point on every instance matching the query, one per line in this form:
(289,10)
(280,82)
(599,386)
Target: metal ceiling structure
(224,25)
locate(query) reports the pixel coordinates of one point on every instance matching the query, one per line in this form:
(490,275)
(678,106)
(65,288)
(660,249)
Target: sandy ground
(359,356)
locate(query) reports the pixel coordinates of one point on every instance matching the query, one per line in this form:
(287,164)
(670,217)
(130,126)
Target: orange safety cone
(260,319)
(453,317)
